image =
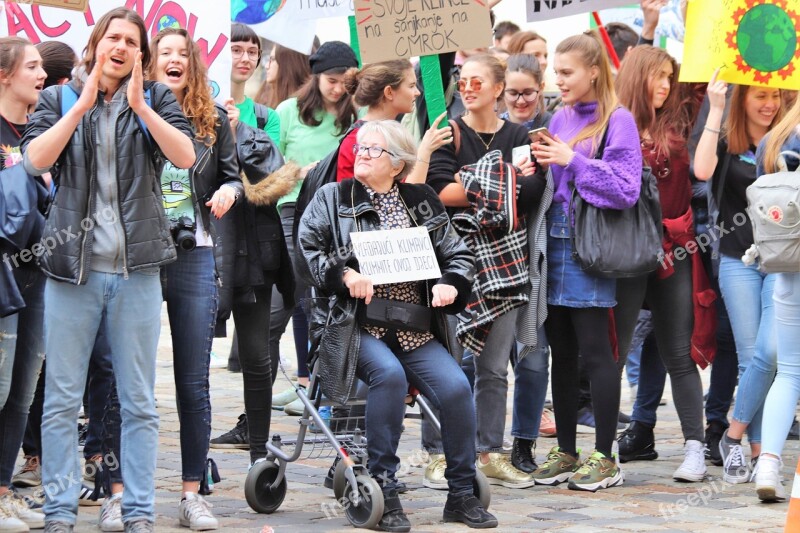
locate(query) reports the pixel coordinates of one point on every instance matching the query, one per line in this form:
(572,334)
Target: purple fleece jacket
(613,182)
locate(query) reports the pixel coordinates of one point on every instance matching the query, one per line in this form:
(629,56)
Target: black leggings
(252,332)
(572,331)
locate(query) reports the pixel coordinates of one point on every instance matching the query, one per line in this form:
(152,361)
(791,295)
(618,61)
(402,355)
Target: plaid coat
(497,234)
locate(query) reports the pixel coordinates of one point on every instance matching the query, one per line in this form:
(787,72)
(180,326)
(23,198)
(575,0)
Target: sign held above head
(392,29)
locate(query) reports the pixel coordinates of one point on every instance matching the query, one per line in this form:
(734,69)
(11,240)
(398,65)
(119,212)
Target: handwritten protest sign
(395,255)
(391,29)
(320,9)
(76,5)
(550,9)
(754,42)
(201,19)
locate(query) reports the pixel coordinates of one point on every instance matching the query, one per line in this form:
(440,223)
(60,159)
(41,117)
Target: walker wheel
(339,480)
(257,487)
(482,489)
(369,510)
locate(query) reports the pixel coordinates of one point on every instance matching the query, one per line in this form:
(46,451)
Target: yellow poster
(753,42)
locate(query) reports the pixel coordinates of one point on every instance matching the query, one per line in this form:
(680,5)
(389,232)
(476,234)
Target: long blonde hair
(590,49)
(779,135)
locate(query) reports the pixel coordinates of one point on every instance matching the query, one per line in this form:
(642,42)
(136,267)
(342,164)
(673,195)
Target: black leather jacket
(218,165)
(148,242)
(325,249)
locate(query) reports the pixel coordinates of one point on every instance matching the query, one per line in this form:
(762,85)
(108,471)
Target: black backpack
(324,172)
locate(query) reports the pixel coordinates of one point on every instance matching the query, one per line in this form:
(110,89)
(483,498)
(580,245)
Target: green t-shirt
(304,144)
(247,114)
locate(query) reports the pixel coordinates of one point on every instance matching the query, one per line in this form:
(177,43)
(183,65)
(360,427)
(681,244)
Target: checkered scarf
(497,234)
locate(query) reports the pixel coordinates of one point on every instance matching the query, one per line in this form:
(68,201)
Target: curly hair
(198,105)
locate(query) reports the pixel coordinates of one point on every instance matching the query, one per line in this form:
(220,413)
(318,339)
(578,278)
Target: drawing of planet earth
(767,38)
(254,11)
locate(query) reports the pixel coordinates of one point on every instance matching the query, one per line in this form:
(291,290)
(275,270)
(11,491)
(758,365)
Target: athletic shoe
(597,472)
(111,514)
(83,431)
(500,471)
(89,496)
(547,424)
(468,510)
(586,423)
(141,525)
(693,467)
(282,399)
(238,437)
(215,361)
(434,472)
(557,468)
(295,408)
(714,432)
(735,468)
(16,507)
(637,443)
(769,483)
(194,512)
(30,475)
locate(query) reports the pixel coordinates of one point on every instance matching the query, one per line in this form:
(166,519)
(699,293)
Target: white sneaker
(769,483)
(216,361)
(19,507)
(194,512)
(111,514)
(693,467)
(9,521)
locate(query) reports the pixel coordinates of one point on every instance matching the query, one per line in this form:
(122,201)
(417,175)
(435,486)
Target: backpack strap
(781,162)
(262,115)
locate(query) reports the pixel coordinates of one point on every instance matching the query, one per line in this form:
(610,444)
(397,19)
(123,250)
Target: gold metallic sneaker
(434,472)
(500,471)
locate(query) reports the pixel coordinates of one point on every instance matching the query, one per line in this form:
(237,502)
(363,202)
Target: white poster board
(201,19)
(320,9)
(550,9)
(396,255)
(280,21)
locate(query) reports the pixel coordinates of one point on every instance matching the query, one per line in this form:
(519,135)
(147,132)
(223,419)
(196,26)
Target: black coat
(148,242)
(324,249)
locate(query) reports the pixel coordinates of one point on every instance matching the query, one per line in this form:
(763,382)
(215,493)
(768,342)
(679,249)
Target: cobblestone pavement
(649,500)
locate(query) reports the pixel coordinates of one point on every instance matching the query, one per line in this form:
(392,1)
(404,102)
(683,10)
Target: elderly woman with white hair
(388,356)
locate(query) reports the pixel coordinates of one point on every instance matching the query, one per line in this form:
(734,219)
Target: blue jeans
(434,372)
(128,311)
(190,290)
(748,298)
(782,399)
(531,376)
(21,356)
(652,378)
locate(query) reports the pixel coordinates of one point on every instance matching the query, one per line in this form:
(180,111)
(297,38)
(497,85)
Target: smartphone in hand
(539,135)
(520,153)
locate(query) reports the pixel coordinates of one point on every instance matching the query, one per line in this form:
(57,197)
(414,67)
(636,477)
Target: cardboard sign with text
(77,5)
(396,255)
(392,29)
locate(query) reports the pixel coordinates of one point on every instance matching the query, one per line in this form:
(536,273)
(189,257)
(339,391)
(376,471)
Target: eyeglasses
(253,54)
(373,151)
(471,84)
(270,60)
(528,95)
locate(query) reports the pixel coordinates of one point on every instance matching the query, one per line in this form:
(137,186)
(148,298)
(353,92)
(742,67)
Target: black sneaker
(235,438)
(794,432)
(468,509)
(394,518)
(714,432)
(83,431)
(522,455)
(637,443)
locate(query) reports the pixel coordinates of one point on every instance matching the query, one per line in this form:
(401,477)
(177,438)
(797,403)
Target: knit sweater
(613,182)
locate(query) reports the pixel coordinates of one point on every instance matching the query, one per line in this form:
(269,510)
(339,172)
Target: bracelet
(712,130)
(423,161)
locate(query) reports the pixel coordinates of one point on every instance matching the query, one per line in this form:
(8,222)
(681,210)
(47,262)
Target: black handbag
(396,315)
(618,243)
